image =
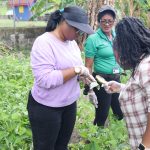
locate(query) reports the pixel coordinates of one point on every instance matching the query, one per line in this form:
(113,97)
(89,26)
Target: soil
(75,138)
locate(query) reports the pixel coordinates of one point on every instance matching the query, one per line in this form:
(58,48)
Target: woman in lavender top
(56,64)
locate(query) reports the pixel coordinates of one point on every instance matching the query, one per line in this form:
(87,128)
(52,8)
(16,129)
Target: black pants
(51,127)
(106,100)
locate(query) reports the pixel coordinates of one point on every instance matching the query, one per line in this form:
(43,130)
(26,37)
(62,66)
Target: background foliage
(16,81)
(15,133)
(137,8)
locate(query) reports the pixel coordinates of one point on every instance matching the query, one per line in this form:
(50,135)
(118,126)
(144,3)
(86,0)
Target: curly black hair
(132,42)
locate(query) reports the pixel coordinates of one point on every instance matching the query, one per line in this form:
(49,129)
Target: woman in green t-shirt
(100,59)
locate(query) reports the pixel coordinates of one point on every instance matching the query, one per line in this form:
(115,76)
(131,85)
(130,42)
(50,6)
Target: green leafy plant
(16,79)
(114,137)
(15,133)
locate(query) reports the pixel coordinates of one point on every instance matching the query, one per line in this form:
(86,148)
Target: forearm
(54,78)
(89,64)
(146,136)
(48,78)
(68,74)
(90,69)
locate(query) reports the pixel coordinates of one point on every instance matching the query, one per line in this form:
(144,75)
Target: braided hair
(133,42)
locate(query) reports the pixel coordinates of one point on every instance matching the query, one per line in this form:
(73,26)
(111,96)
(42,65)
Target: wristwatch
(141,146)
(77,70)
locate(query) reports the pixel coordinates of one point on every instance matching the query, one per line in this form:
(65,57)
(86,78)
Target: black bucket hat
(105,8)
(77,17)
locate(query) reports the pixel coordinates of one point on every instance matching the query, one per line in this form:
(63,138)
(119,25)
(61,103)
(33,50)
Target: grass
(3,9)
(10,23)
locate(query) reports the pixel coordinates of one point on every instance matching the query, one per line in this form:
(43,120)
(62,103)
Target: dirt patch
(75,138)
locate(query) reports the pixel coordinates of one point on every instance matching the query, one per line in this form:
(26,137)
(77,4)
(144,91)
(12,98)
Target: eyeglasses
(107,22)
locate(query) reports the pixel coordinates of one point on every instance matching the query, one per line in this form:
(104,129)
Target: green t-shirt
(99,47)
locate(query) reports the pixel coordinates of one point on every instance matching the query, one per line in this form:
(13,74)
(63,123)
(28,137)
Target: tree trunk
(131,6)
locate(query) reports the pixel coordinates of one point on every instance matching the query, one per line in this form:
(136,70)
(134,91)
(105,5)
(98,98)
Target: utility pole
(14,21)
(14,15)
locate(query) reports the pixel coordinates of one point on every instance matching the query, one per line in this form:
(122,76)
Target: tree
(42,6)
(136,8)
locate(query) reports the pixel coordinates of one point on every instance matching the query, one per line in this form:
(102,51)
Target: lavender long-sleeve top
(49,56)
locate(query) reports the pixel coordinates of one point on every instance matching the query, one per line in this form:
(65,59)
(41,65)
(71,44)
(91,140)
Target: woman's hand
(84,71)
(113,87)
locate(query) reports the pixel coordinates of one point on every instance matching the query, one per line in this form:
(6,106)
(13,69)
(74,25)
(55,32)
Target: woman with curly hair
(132,51)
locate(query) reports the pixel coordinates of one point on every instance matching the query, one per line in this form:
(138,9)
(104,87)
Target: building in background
(22,8)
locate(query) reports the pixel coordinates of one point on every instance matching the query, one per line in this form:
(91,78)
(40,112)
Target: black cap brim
(81,26)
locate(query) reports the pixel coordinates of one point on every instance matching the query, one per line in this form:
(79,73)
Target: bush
(15,134)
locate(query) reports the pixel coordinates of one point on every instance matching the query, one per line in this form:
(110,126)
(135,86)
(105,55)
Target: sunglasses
(107,22)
